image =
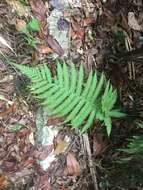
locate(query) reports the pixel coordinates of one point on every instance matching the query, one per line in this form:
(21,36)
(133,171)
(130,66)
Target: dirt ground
(103,35)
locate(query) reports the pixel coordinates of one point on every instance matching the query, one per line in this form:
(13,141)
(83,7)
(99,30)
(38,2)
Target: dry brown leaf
(20,24)
(42,152)
(42,183)
(78,31)
(39,9)
(43,49)
(10,109)
(99,144)
(87,21)
(3,181)
(18,7)
(61,146)
(53,44)
(132,22)
(73,167)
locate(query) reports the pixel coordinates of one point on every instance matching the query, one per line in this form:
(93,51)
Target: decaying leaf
(20,24)
(99,144)
(39,9)
(61,146)
(132,22)
(77,31)
(43,49)
(2,97)
(42,182)
(10,109)
(53,44)
(73,167)
(3,181)
(5,43)
(18,7)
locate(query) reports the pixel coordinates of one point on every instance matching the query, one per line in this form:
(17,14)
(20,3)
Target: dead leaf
(53,44)
(39,9)
(23,133)
(3,181)
(132,22)
(20,24)
(73,167)
(18,7)
(43,49)
(10,109)
(87,21)
(78,31)
(42,183)
(5,43)
(99,144)
(42,152)
(61,146)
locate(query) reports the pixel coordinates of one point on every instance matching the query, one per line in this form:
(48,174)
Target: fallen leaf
(2,97)
(39,9)
(28,163)
(20,24)
(78,30)
(61,146)
(99,144)
(5,43)
(132,22)
(87,21)
(10,109)
(72,167)
(53,44)
(42,152)
(3,181)
(43,49)
(42,182)
(18,7)
(23,133)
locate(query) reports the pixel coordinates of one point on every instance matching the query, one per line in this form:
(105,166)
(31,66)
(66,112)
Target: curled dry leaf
(73,167)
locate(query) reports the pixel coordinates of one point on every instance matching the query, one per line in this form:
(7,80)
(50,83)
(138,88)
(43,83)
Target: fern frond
(68,95)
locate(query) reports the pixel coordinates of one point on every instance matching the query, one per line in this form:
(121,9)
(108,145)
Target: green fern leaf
(67,95)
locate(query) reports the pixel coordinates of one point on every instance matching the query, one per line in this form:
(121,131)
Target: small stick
(91,166)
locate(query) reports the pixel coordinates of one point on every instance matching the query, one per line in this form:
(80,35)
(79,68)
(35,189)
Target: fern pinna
(67,95)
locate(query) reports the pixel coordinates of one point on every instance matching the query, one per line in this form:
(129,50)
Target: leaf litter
(35,151)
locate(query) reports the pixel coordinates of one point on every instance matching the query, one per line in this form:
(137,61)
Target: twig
(131,65)
(91,166)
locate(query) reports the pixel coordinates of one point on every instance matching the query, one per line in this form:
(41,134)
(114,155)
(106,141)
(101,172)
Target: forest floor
(103,35)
